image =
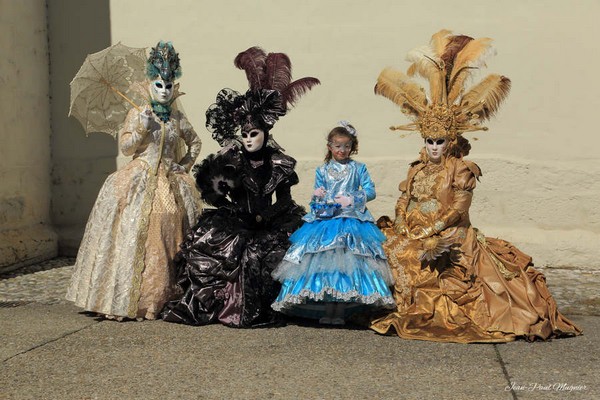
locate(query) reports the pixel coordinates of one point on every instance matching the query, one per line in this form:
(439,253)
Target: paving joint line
(49,341)
(505,372)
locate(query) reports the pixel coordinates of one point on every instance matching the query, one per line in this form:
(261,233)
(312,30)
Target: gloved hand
(400,227)
(177,169)
(344,201)
(319,192)
(421,232)
(146,118)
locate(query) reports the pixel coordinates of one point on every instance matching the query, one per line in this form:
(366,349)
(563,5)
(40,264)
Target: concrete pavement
(49,349)
(56,352)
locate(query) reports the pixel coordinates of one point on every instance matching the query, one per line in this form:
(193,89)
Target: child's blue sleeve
(319,179)
(367,190)
(366,183)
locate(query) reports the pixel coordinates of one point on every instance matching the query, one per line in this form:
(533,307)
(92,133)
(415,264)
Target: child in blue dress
(336,265)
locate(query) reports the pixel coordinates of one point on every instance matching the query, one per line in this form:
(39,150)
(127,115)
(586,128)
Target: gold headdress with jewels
(447,62)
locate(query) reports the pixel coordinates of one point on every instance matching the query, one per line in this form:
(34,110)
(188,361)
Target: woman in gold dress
(124,267)
(452,283)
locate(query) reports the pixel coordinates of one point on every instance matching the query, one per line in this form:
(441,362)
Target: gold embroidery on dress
(140,251)
(396,247)
(429,206)
(438,226)
(165,197)
(338,175)
(412,204)
(425,180)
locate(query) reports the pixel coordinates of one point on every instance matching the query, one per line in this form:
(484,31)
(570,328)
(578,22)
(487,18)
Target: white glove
(319,192)
(146,118)
(177,169)
(344,201)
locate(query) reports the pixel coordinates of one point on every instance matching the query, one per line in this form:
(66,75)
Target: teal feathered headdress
(163,62)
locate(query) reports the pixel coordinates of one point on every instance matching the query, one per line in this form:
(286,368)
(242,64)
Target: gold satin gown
(481,290)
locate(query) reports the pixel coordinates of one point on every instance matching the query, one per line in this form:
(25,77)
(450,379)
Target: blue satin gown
(336,255)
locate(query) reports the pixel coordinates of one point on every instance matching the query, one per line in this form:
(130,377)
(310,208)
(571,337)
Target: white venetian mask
(435,148)
(161,91)
(253,139)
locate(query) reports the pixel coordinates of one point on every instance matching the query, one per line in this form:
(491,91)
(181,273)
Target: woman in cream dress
(124,267)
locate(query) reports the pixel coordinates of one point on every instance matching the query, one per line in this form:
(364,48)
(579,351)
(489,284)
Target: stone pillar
(26,235)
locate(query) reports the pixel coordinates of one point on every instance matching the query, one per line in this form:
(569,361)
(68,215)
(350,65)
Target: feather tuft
(474,53)
(296,89)
(484,99)
(471,57)
(278,72)
(454,46)
(427,64)
(439,41)
(398,87)
(252,61)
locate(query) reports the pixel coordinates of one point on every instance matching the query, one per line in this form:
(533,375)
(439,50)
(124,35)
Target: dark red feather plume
(454,46)
(296,89)
(278,72)
(273,71)
(253,61)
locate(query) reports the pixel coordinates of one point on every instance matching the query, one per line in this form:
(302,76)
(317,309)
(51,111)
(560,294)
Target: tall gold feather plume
(439,41)
(427,64)
(472,56)
(485,98)
(424,61)
(398,87)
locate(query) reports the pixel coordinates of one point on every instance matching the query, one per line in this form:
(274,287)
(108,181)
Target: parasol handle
(121,94)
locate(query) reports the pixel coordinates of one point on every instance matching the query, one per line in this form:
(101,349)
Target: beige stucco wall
(25,231)
(539,187)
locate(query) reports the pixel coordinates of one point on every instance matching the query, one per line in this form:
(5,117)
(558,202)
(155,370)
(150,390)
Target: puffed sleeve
(366,183)
(466,175)
(465,178)
(401,204)
(320,179)
(367,189)
(191,139)
(132,133)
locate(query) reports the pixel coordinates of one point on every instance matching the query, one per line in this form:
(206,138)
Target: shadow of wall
(26,235)
(80,164)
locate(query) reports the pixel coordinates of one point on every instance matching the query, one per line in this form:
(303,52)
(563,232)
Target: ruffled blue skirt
(337,260)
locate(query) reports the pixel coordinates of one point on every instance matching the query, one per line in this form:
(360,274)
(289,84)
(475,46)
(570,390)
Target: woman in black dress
(225,262)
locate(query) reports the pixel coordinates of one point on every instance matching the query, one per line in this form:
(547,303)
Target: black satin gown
(226,261)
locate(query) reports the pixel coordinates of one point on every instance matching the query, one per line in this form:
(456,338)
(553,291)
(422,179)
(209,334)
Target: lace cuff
(359,200)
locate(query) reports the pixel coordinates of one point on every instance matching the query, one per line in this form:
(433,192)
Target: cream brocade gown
(125,264)
(482,290)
